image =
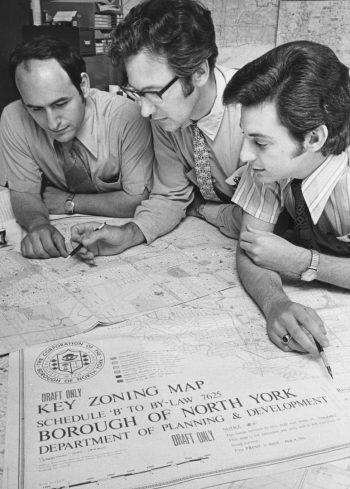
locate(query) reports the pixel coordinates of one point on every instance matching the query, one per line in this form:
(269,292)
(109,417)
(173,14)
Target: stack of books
(104,21)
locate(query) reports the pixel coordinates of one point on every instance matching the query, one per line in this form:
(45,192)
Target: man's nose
(147,107)
(247,153)
(53,121)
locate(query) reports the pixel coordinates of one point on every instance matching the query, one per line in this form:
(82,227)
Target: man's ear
(201,75)
(85,84)
(315,139)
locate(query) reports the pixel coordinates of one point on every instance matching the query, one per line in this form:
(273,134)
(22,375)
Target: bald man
(68,148)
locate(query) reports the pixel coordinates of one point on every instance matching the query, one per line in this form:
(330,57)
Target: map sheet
(186,401)
(245,29)
(42,300)
(228,321)
(323,21)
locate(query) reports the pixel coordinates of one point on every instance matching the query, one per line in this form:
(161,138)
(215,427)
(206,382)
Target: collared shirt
(174,173)
(326,192)
(117,139)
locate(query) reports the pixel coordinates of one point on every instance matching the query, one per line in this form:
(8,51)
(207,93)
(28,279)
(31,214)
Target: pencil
(80,245)
(324,358)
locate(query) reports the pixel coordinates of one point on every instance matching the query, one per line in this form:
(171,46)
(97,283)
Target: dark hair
(44,47)
(309,86)
(181,31)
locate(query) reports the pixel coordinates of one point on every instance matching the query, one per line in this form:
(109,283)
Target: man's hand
(43,241)
(270,251)
(110,240)
(301,322)
(54,199)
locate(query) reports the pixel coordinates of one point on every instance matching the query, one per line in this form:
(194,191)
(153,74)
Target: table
(210,249)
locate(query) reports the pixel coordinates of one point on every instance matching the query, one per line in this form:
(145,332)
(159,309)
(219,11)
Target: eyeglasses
(154,96)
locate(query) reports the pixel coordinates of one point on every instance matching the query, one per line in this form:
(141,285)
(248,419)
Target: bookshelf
(98,17)
(88,32)
(105,20)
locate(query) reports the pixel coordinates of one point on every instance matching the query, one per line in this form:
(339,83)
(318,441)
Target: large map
(245,29)
(212,324)
(42,300)
(325,21)
(226,335)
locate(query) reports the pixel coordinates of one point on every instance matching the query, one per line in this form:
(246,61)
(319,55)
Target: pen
(80,245)
(324,358)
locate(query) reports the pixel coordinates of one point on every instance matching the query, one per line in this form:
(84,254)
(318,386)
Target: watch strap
(311,272)
(315,260)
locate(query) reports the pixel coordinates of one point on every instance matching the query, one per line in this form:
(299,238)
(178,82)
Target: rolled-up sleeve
(3,164)
(136,152)
(263,201)
(23,174)
(172,191)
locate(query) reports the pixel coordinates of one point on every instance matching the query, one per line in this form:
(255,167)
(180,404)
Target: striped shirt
(326,192)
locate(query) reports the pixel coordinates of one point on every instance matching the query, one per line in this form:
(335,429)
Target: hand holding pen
(81,245)
(105,239)
(324,358)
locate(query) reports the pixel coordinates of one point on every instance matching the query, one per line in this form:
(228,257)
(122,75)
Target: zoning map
(44,297)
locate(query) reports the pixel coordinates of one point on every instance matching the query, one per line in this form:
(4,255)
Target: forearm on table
(264,286)
(334,270)
(29,209)
(133,235)
(226,217)
(159,215)
(110,204)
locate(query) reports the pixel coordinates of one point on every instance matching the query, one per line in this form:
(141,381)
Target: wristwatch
(311,272)
(69,205)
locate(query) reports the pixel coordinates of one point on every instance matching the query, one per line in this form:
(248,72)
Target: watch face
(69,207)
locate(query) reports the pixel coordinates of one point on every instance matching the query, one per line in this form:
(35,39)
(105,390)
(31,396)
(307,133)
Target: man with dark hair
(295,119)
(68,148)
(168,50)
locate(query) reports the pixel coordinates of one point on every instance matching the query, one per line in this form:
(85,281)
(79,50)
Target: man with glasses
(168,50)
(68,148)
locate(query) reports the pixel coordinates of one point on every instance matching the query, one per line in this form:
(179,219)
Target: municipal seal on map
(68,362)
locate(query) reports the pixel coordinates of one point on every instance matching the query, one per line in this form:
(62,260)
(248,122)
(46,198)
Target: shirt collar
(210,124)
(318,186)
(88,132)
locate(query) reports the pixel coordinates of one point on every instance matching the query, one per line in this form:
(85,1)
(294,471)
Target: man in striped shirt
(296,124)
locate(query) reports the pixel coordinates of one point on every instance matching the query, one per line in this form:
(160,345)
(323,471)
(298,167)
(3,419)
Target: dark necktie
(303,225)
(202,166)
(75,164)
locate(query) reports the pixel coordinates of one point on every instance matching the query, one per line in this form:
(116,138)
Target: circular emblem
(69,361)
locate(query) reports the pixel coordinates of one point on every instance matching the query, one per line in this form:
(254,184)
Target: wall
(14,13)
(244,29)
